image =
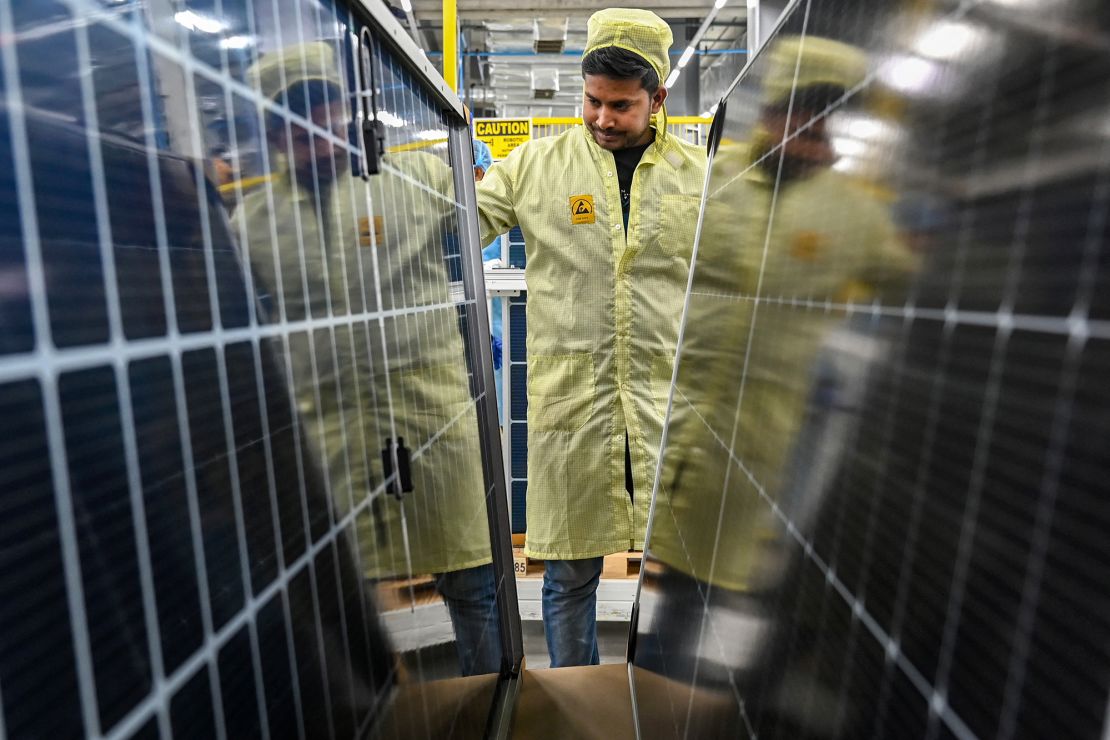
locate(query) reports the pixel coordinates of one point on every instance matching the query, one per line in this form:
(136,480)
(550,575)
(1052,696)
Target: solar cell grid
(891,315)
(208,364)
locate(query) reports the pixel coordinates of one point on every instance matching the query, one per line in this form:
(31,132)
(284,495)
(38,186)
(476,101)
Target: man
(608,211)
(483,159)
(318,252)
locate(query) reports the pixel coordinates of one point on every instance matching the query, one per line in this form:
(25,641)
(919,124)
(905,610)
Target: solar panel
(251,465)
(881,505)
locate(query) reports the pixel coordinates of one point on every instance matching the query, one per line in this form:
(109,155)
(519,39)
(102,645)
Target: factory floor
(579,703)
(582,703)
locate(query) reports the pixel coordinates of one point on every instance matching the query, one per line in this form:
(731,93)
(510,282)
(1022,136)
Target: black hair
(620,64)
(300,99)
(814,98)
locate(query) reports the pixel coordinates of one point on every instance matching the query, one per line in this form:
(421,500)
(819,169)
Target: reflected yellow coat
(603,313)
(347,363)
(810,241)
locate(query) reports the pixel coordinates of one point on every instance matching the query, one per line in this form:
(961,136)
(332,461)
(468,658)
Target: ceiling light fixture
(236,42)
(390,119)
(196,22)
(910,75)
(949,40)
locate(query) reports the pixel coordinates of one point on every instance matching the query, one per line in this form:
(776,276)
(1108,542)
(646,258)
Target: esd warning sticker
(581,209)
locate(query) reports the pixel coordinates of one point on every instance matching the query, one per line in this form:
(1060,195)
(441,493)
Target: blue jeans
(470,595)
(570,610)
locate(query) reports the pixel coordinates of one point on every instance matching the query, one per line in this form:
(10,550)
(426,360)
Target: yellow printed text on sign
(581,209)
(503,134)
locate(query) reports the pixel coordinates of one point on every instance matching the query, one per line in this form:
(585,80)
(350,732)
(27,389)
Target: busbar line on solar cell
(1053,465)
(154,173)
(983,437)
(320,649)
(171,318)
(859,610)
(82,357)
(985,432)
(747,356)
(221,375)
(678,530)
(201,343)
(173,346)
(958,13)
(1075,324)
(1092,248)
(257,360)
(917,495)
(740,703)
(37,280)
(346,447)
(189,63)
(1039,541)
(123,390)
(658,474)
(204,657)
(967,218)
(173,349)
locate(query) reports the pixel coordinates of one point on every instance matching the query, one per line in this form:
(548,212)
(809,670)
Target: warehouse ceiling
(504,75)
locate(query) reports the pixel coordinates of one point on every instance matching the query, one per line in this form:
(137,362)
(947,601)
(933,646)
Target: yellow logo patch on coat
(807,246)
(371,231)
(581,209)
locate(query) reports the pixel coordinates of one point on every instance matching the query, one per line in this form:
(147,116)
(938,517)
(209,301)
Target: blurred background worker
(828,238)
(348,386)
(608,211)
(491,256)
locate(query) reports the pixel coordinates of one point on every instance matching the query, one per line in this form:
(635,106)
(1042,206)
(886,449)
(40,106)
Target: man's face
(617,112)
(805,149)
(303,144)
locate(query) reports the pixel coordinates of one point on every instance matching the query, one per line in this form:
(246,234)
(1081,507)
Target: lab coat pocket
(662,368)
(561,391)
(678,224)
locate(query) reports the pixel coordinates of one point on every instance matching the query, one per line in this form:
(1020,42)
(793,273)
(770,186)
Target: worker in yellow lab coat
(608,211)
(786,241)
(336,253)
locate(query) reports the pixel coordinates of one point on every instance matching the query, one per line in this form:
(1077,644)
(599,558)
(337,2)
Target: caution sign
(581,209)
(503,134)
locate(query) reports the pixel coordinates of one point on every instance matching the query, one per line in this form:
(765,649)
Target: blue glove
(496,346)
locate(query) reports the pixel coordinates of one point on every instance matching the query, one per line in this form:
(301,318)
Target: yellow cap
(278,70)
(639,31)
(816,61)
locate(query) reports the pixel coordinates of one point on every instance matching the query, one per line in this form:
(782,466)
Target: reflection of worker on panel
(329,258)
(784,237)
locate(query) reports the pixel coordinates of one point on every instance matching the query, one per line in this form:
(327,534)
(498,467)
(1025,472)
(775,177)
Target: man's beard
(327,170)
(790,168)
(620,140)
